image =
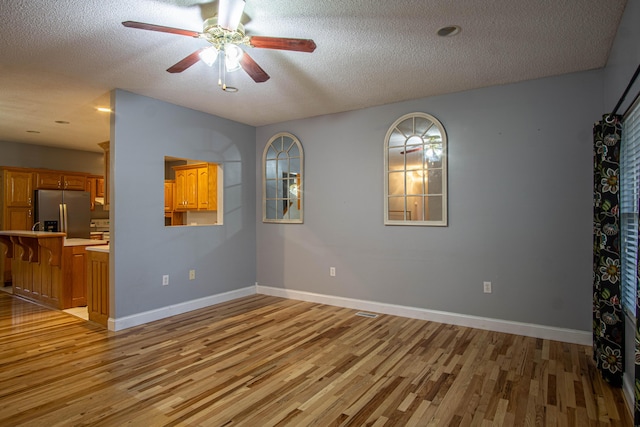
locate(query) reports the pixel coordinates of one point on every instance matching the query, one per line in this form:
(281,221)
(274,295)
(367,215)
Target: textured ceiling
(59,60)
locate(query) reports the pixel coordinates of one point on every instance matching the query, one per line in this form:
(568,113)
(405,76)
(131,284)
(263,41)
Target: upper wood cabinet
(94,184)
(208,187)
(55,180)
(100,187)
(18,189)
(196,187)
(186,192)
(169,187)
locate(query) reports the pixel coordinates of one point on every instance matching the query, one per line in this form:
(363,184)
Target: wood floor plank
(267,361)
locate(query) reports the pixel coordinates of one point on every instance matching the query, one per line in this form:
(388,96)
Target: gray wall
(40,156)
(144,130)
(520,202)
(623,59)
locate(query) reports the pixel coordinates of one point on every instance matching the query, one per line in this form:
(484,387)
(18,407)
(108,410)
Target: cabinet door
(208,187)
(191,191)
(168,196)
(18,189)
(91,188)
(18,219)
(75,182)
(99,187)
(203,188)
(74,273)
(180,197)
(49,181)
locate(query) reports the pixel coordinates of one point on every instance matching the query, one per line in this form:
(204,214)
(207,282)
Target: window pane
(283,168)
(294,165)
(423,125)
(277,144)
(396,183)
(396,158)
(396,139)
(433,208)
(414,157)
(415,182)
(396,208)
(271,189)
(271,211)
(271,153)
(293,151)
(434,179)
(287,143)
(270,169)
(415,208)
(406,127)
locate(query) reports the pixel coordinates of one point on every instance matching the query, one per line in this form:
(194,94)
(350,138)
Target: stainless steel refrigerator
(66,211)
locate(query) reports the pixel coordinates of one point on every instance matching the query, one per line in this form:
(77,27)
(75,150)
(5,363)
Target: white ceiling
(59,59)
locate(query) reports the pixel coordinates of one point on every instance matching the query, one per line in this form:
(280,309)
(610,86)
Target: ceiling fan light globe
(233,55)
(209,55)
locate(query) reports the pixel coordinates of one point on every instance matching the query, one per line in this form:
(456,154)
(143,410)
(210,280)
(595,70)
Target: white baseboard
(518,328)
(171,310)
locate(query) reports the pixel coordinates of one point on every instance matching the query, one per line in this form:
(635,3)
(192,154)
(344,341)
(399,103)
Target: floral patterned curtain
(608,318)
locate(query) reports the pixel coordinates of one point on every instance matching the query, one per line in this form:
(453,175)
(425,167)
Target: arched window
(415,160)
(282,183)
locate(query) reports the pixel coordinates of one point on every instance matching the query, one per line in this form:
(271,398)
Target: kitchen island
(47,267)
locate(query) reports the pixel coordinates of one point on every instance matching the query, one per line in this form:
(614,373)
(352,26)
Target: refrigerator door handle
(60,218)
(64,209)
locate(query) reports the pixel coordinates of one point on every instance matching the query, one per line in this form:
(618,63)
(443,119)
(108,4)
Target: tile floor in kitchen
(80,312)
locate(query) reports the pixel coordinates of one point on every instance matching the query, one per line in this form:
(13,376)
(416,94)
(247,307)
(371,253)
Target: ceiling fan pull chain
(220,66)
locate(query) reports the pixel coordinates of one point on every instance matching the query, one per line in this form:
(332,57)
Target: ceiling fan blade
(160,28)
(253,69)
(282,43)
(186,62)
(230,13)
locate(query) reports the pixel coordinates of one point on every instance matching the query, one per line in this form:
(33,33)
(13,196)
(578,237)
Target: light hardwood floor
(266,361)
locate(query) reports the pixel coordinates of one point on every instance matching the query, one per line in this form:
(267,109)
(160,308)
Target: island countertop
(102,248)
(28,233)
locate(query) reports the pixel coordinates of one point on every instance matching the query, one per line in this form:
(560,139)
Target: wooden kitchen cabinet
(186,190)
(99,186)
(196,187)
(98,286)
(55,180)
(94,183)
(74,276)
(171,217)
(208,187)
(16,212)
(18,219)
(18,185)
(169,188)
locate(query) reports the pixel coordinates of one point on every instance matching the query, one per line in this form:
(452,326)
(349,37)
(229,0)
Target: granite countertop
(28,233)
(84,242)
(103,248)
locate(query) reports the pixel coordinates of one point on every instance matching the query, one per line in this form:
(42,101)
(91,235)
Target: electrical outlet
(192,275)
(165,280)
(332,271)
(487,287)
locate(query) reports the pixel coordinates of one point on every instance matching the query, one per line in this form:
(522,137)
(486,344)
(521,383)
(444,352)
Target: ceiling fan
(226,34)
